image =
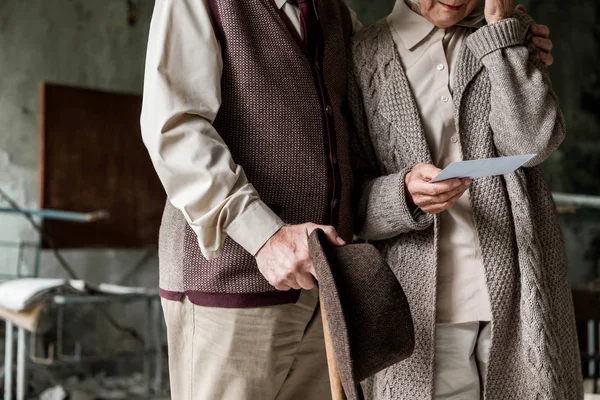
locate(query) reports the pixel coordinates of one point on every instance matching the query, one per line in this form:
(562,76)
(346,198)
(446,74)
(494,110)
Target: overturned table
(26,326)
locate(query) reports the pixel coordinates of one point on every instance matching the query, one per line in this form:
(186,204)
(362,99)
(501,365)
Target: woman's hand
(433,198)
(497,10)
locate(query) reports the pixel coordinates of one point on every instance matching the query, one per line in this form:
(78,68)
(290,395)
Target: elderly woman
(481,261)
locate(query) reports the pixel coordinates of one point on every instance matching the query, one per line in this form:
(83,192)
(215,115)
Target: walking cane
(337,391)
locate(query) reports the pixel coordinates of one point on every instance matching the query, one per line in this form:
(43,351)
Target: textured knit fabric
(289,136)
(504,105)
(429,56)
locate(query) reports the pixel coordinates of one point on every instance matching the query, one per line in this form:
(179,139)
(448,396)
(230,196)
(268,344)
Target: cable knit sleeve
(380,204)
(525,115)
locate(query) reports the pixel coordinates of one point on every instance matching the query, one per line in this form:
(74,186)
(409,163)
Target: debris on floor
(54,393)
(113,387)
(99,387)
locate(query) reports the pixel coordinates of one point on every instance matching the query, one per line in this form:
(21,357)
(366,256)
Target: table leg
(21,360)
(148,344)
(158,360)
(8,360)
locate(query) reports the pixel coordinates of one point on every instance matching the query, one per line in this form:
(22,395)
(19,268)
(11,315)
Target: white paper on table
(482,168)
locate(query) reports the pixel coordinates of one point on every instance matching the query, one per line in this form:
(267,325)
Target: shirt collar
(280,3)
(411,27)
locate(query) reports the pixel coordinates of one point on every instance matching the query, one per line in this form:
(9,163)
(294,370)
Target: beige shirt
(182,96)
(429,56)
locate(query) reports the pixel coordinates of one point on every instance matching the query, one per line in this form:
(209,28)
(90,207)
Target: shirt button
(445,99)
(440,67)
(329,110)
(454,139)
(334,160)
(336,203)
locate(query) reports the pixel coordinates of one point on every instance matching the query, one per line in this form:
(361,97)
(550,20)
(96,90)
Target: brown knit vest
(284,121)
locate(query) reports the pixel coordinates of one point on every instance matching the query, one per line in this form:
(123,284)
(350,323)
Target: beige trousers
(462,353)
(268,353)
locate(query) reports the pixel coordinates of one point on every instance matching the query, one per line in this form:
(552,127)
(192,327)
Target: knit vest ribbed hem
(233,300)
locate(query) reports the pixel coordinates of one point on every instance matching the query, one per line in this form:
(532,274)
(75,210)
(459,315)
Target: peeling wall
(77,42)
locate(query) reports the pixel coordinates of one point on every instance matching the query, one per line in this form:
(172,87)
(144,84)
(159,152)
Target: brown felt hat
(367,311)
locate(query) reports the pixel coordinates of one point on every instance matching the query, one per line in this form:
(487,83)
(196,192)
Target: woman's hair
(473,19)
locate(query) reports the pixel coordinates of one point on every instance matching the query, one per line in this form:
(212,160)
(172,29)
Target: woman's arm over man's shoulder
(525,114)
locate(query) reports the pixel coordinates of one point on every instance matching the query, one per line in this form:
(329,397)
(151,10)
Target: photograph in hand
(482,168)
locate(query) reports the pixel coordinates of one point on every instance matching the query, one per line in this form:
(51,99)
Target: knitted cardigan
(504,105)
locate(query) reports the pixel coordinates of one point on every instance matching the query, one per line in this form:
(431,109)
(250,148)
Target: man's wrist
(254,227)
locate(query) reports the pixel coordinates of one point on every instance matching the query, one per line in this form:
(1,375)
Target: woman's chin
(446,19)
(443,23)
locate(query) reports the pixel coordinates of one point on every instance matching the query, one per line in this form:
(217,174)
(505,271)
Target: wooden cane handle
(337,391)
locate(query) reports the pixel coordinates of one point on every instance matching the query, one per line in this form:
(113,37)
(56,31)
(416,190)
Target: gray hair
(474,19)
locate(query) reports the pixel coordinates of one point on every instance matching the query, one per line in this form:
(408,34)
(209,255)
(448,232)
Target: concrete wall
(83,42)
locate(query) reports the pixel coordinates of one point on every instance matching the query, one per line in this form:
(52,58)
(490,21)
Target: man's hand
(285,260)
(433,198)
(540,40)
(497,10)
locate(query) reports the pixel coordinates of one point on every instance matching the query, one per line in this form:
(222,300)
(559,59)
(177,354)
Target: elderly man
(244,119)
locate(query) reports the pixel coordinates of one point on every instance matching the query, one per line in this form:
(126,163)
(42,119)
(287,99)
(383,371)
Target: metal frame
(44,214)
(152,335)
(8,360)
(152,353)
(592,357)
(576,200)
(21,246)
(59,214)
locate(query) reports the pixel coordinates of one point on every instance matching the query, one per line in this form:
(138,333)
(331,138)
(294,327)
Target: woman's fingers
(425,194)
(425,188)
(425,200)
(421,173)
(424,172)
(440,207)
